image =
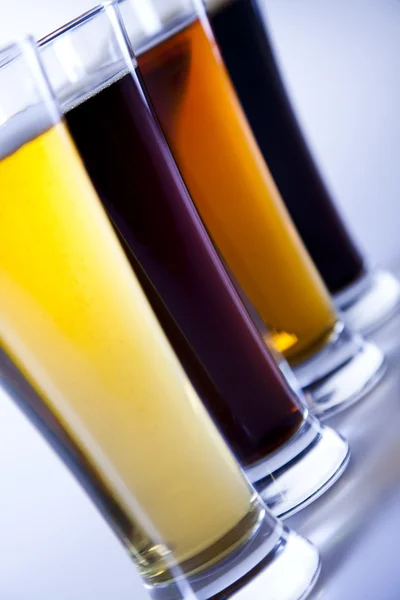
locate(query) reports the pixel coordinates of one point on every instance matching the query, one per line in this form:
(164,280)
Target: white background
(342,62)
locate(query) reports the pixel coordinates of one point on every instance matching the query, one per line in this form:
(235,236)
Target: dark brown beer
(243,38)
(138,182)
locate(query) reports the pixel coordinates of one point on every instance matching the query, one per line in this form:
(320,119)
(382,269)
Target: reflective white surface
(356,524)
(342,60)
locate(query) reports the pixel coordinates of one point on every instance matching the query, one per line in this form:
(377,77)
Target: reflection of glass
(370,301)
(75,320)
(239,202)
(132,169)
(241,29)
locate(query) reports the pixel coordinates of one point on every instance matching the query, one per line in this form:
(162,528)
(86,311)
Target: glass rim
(25,48)
(74,92)
(110,8)
(76,22)
(82,19)
(170,23)
(21,46)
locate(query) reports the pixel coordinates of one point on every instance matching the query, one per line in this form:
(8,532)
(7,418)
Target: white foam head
(23,127)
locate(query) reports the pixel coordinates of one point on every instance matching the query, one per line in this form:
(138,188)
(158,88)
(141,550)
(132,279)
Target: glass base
(343,372)
(291,575)
(302,470)
(369,302)
(258,569)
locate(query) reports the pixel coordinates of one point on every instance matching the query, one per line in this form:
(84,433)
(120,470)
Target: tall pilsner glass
(287,454)
(75,321)
(239,202)
(366,297)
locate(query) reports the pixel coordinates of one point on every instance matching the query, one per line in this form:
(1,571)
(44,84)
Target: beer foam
(72,95)
(23,127)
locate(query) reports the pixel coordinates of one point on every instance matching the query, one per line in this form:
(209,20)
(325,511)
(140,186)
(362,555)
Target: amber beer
(232,188)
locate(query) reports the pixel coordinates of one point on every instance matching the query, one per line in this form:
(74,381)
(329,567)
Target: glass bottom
(369,302)
(291,575)
(340,374)
(258,569)
(302,470)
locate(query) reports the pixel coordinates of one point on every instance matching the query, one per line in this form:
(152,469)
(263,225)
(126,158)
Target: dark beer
(134,174)
(243,38)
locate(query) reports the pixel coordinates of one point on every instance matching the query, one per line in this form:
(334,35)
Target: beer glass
(366,297)
(287,454)
(75,321)
(239,203)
